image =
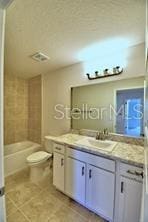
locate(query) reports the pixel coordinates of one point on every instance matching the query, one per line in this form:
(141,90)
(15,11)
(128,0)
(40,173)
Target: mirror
(117,106)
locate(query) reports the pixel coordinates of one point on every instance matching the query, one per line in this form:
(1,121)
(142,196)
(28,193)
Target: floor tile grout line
(64,204)
(14,204)
(17,209)
(52,212)
(44,189)
(31,198)
(7,215)
(25,215)
(28,200)
(41,190)
(74,211)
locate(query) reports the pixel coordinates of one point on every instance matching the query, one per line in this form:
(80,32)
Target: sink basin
(105,145)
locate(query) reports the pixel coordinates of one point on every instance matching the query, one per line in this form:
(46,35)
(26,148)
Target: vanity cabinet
(75,179)
(59,167)
(111,189)
(100,188)
(90,183)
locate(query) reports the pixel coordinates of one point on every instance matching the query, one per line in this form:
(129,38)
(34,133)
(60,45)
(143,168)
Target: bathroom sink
(105,145)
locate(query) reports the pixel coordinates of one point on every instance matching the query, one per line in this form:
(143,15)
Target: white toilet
(39,162)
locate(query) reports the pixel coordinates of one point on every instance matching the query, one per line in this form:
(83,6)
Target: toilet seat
(39,156)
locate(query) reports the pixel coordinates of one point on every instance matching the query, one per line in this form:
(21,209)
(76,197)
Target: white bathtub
(15,155)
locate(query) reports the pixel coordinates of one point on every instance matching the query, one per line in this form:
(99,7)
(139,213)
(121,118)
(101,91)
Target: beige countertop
(127,153)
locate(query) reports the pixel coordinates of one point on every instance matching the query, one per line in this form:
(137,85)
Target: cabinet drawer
(94,160)
(130,171)
(59,148)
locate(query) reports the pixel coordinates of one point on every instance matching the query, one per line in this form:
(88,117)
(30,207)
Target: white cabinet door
(129,200)
(75,179)
(100,191)
(58,171)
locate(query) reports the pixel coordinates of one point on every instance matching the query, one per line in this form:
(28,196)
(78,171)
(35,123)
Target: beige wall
(57,84)
(100,96)
(34,115)
(15,109)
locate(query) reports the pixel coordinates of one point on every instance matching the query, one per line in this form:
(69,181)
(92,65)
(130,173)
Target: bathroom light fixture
(40,57)
(106,73)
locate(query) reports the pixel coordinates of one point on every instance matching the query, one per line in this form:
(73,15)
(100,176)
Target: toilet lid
(38,156)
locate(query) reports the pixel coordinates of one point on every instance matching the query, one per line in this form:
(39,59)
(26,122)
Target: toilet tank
(48,144)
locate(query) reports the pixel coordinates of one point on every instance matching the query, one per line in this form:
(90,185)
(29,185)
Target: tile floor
(28,202)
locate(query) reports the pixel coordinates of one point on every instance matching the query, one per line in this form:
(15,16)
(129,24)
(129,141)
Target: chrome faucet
(105,131)
(102,134)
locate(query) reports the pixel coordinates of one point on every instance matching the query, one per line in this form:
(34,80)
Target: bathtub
(15,155)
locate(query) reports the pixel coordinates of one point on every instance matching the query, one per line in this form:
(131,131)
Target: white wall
(57,84)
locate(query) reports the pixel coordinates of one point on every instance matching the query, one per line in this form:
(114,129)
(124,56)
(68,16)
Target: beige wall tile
(15,109)
(34,120)
(22,109)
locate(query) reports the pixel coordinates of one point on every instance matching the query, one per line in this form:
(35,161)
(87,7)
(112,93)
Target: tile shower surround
(15,109)
(22,109)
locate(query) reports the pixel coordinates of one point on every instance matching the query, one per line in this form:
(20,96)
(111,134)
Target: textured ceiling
(62,28)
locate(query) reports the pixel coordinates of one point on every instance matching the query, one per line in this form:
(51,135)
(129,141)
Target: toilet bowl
(38,162)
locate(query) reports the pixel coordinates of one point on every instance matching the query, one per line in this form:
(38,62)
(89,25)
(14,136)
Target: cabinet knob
(122,186)
(90,174)
(83,168)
